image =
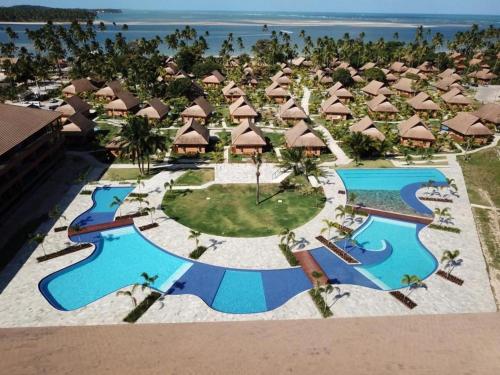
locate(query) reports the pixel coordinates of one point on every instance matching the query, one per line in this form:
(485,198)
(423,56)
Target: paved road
(437,344)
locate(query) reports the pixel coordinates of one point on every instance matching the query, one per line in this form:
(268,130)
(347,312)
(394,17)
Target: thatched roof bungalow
(191,138)
(232,92)
(415,133)
(489,114)
(156,110)
(77,87)
(381,107)
(465,126)
(110,91)
(292,112)
(340,92)
(200,110)
(367,127)
(78,128)
(303,136)
(375,88)
(73,104)
(215,79)
(455,98)
(423,104)
(247,139)
(277,93)
(242,110)
(334,110)
(405,86)
(124,104)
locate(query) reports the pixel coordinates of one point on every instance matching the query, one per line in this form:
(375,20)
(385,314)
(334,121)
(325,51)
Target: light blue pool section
(121,256)
(409,256)
(240,292)
(102,210)
(388,179)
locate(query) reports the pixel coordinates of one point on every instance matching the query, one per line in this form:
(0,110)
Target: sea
(249,25)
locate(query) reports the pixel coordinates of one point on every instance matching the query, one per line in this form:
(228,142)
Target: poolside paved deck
(309,266)
(437,344)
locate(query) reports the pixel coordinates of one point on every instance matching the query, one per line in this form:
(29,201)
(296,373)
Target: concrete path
(305,99)
(342,158)
(485,207)
(226,154)
(417,345)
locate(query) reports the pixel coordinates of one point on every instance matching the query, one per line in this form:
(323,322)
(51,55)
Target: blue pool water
(240,292)
(102,211)
(409,255)
(122,255)
(387,179)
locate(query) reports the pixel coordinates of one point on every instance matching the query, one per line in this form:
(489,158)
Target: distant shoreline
(268,22)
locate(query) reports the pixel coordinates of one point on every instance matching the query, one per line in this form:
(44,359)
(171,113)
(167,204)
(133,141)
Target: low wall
(394,215)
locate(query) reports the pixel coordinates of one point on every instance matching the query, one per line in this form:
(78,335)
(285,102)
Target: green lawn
(482,175)
(196,177)
(230,210)
(122,174)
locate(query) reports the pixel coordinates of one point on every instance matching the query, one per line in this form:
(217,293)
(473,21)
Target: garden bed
(131,216)
(403,299)
(441,200)
(148,226)
(141,308)
(61,229)
(451,278)
(445,228)
(68,250)
(338,251)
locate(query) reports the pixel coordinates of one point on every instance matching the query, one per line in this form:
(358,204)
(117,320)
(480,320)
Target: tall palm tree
(411,281)
(170,184)
(287,237)
(148,280)
(441,212)
(195,235)
(257,160)
(450,258)
(329,225)
(292,159)
(341,211)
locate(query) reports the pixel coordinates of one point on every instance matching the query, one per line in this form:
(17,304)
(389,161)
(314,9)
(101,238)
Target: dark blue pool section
(103,210)
(409,196)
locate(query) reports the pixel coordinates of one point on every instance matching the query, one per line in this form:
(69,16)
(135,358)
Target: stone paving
(21,304)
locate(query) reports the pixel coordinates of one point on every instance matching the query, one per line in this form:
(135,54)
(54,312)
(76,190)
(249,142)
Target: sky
(489,7)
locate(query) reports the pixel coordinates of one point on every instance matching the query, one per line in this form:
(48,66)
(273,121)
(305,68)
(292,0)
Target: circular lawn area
(231,210)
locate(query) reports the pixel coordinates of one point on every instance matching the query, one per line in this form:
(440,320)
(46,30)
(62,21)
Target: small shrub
(86,192)
(289,255)
(320,303)
(445,228)
(141,308)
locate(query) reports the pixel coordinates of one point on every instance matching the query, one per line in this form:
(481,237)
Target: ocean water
(248,25)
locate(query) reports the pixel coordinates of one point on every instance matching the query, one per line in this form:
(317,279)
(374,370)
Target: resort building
(381,107)
(200,110)
(109,92)
(192,138)
(465,126)
(181,74)
(367,66)
(155,111)
(334,110)
(291,112)
(389,77)
(124,104)
(247,139)
(30,144)
(214,80)
(415,133)
(455,99)
(423,105)
(72,105)
(405,86)
(77,87)
(232,92)
(241,110)
(340,92)
(281,79)
(78,129)
(489,114)
(287,71)
(367,127)
(301,62)
(448,83)
(171,69)
(323,77)
(412,73)
(427,68)
(398,67)
(302,136)
(375,88)
(483,76)
(450,72)
(277,93)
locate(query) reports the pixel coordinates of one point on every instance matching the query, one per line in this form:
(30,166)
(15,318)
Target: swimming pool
(409,256)
(103,210)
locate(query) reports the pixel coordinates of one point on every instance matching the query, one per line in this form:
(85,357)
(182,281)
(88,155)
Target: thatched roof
(381,104)
(398,67)
(275,90)
(302,135)
(340,92)
(73,105)
(199,108)
(427,67)
(110,90)
(455,96)
(281,78)
(216,77)
(192,134)
(334,106)
(415,128)
(247,134)
(375,88)
(468,124)
(156,110)
(484,75)
(445,84)
(78,124)
(125,101)
(368,65)
(79,86)
(231,89)
(292,110)
(423,102)
(446,73)
(298,61)
(489,112)
(18,124)
(366,126)
(405,85)
(243,108)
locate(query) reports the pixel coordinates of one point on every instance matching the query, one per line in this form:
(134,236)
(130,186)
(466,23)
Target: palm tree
(117,202)
(341,212)
(292,159)
(287,237)
(150,210)
(451,184)
(148,280)
(450,258)
(257,160)
(38,239)
(170,184)
(411,281)
(441,212)
(329,225)
(195,235)
(139,182)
